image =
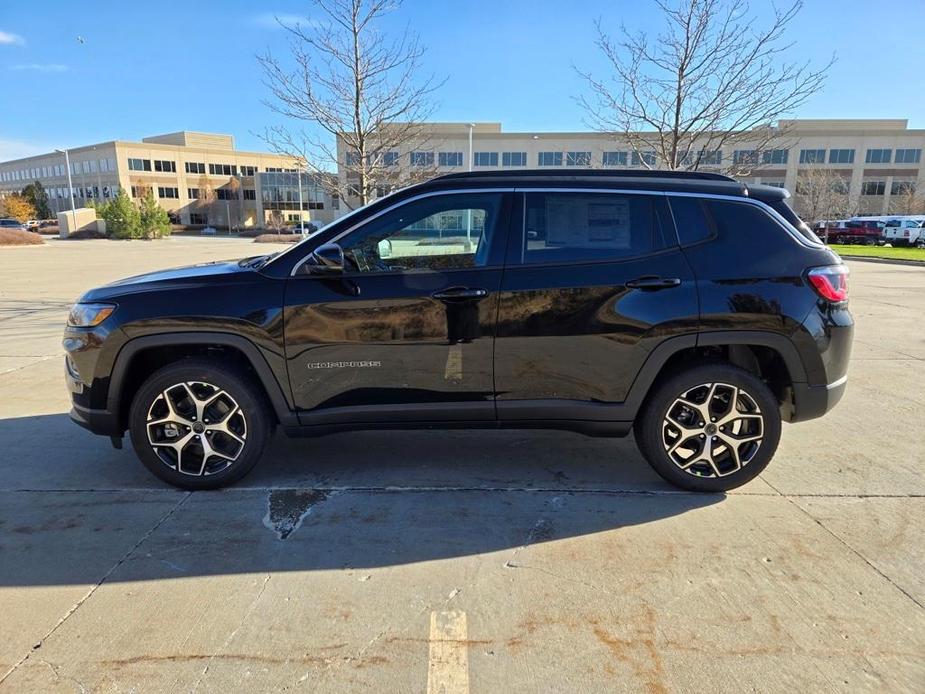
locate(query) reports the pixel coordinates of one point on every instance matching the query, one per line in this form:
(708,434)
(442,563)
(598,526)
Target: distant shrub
(18,237)
(278,238)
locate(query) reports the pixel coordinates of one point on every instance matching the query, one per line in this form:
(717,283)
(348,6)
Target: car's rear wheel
(198,424)
(709,428)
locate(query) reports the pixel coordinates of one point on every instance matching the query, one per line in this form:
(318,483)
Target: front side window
(588,227)
(445,232)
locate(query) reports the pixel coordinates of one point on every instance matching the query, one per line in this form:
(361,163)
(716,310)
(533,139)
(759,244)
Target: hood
(174,278)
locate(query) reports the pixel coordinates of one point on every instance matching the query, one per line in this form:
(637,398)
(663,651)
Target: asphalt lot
(461,561)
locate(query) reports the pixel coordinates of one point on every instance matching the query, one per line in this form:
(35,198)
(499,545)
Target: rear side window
(692,223)
(801,227)
(587,227)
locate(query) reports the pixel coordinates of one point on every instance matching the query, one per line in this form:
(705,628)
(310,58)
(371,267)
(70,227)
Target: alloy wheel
(196,428)
(713,430)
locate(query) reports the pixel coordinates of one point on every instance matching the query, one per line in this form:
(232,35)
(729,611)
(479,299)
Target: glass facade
(280,191)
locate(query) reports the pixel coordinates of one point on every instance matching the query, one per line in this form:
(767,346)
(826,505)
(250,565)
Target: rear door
(593,281)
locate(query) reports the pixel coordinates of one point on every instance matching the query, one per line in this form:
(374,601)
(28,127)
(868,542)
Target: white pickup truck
(905,231)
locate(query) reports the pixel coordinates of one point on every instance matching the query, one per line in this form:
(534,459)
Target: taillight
(830,282)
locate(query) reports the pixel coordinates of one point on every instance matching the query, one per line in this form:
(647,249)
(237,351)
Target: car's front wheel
(199,424)
(709,428)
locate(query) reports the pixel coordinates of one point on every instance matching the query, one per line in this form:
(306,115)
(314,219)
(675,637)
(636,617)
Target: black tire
(652,428)
(245,441)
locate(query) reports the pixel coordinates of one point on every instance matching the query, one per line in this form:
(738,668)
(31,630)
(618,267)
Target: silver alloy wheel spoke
(712,430)
(191,436)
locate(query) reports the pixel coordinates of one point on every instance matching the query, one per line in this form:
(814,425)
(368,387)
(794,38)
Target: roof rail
(579,173)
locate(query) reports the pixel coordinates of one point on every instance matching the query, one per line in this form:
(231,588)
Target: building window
(614,158)
(165,166)
(485,159)
(195,167)
(250,194)
(352,158)
(774,183)
(812,156)
(276,169)
(198,218)
(745,156)
(390,158)
(449,159)
(774,156)
(513,158)
(422,159)
(549,159)
(902,188)
(138,191)
(713,157)
(167,192)
(135,165)
(908,156)
(248,170)
(226,194)
(647,157)
(223,169)
(873,187)
(578,158)
(335,201)
(192,193)
(878,156)
(841,156)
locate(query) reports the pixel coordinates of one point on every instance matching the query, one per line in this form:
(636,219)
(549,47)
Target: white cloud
(6,38)
(268,20)
(41,67)
(17,149)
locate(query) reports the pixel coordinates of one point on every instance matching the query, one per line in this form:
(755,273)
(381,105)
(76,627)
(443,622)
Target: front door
(407,332)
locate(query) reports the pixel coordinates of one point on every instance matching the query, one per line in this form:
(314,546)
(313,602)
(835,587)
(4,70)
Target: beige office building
(875,159)
(199,178)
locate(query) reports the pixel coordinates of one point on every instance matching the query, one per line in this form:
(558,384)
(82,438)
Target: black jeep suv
(698,311)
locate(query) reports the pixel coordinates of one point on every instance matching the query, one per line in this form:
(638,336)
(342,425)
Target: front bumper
(102,422)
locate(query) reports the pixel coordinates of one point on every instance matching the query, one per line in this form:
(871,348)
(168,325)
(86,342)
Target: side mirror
(328,258)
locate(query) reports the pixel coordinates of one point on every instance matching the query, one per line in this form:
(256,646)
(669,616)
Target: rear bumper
(810,402)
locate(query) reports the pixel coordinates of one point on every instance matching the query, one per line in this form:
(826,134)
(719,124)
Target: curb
(884,261)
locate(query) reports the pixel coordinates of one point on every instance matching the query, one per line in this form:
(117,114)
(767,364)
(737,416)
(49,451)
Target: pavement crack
(244,618)
(77,605)
(847,546)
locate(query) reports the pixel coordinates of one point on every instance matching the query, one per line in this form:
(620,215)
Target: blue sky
(154,67)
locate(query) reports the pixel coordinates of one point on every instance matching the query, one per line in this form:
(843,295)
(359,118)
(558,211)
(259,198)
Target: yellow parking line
(448,670)
(453,371)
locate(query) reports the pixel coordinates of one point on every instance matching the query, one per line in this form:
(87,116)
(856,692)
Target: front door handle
(460,294)
(653,283)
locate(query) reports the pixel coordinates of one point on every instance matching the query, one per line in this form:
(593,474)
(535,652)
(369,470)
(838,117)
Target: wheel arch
(771,356)
(141,356)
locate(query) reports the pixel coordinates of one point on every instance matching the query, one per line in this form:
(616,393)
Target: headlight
(89,315)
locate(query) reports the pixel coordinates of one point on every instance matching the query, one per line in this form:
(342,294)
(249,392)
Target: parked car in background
(851,231)
(32,224)
(48,224)
(696,311)
(905,231)
(10,223)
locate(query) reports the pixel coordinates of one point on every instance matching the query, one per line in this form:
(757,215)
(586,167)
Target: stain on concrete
(287,508)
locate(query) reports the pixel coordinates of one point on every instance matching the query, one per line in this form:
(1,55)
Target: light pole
(469,211)
(301,218)
(70,191)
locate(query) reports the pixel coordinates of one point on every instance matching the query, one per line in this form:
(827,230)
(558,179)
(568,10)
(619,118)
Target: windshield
(353,213)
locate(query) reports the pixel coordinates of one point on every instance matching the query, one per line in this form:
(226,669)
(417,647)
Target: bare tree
(357,95)
(207,197)
(712,79)
(823,194)
(907,199)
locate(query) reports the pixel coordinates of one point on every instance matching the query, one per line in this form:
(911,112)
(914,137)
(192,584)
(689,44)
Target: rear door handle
(653,283)
(460,294)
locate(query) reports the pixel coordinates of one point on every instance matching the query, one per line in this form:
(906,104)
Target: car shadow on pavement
(74,510)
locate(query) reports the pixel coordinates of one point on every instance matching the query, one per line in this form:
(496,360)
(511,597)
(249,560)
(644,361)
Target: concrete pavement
(471,561)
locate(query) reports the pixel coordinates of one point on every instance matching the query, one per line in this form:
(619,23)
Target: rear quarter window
(801,227)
